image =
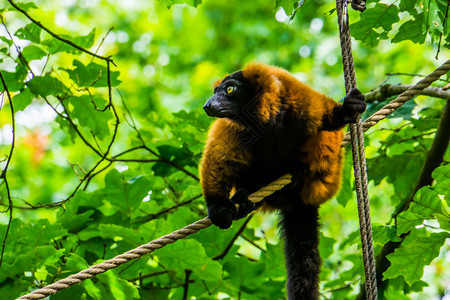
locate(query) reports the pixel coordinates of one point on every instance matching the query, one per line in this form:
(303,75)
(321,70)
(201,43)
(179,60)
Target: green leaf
(346,192)
(190,254)
(287,5)
(127,195)
(92,75)
(22,100)
(6,41)
(408,5)
(49,255)
(426,205)
(118,288)
(25,6)
(46,85)
(193,3)
(244,275)
(380,16)
(30,32)
(137,189)
(85,42)
(76,263)
(442,177)
(387,166)
(273,260)
(413,30)
(398,294)
(181,156)
(326,245)
(436,17)
(88,116)
(384,233)
(32,52)
(414,254)
(404,111)
(112,232)
(14,81)
(72,217)
(407,220)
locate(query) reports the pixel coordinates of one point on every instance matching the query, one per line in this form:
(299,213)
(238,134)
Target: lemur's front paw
(222,214)
(245,206)
(353,104)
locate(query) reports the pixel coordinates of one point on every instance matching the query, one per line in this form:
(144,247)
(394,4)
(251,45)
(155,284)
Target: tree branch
(387,90)
(235,237)
(186,284)
(5,169)
(142,277)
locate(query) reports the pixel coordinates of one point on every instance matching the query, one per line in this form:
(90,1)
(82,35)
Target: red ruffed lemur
(271,124)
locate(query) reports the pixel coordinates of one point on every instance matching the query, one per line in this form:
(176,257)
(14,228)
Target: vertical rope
(359,161)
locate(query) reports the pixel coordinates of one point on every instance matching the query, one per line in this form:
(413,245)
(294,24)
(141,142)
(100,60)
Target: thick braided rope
(147,248)
(402,98)
(357,140)
(276,185)
(118,260)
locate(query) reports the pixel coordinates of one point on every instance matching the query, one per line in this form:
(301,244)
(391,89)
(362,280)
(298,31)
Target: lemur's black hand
(353,104)
(245,206)
(222,213)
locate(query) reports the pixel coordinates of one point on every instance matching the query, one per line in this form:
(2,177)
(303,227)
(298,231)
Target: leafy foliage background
(106,149)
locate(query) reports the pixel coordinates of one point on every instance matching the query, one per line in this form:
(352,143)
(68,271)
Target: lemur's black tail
(299,228)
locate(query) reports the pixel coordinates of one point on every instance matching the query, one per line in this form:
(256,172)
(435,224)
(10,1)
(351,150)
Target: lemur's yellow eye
(230,89)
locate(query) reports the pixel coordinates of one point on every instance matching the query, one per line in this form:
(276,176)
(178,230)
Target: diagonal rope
(359,161)
(147,248)
(118,260)
(402,98)
(205,223)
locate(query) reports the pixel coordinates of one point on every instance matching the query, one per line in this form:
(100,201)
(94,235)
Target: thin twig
(8,161)
(101,42)
(164,211)
(235,237)
(142,277)
(443,26)
(108,59)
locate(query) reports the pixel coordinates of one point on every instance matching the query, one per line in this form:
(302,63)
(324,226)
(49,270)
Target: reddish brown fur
(224,158)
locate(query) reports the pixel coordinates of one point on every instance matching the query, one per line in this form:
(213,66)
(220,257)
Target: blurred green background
(84,187)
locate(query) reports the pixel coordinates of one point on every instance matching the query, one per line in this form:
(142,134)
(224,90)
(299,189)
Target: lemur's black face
(231,97)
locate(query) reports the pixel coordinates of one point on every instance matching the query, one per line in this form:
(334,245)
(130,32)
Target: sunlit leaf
(14,80)
(33,52)
(189,254)
(442,177)
(92,75)
(87,114)
(380,16)
(287,5)
(46,85)
(414,30)
(410,259)
(30,32)
(55,46)
(22,100)
(426,205)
